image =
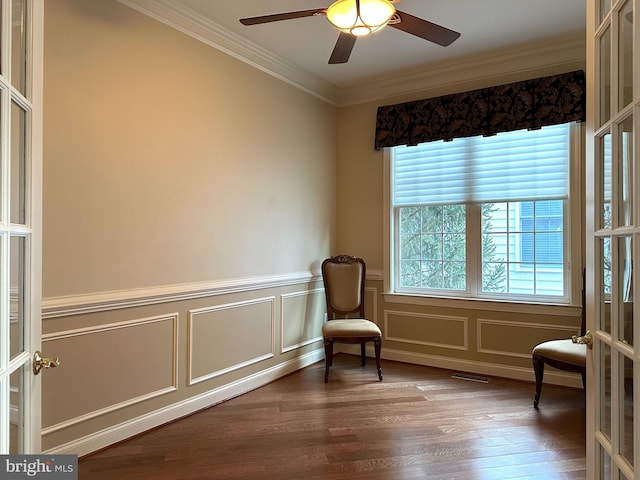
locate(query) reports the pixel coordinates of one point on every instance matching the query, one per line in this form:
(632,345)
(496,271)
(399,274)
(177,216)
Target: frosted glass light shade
(360,17)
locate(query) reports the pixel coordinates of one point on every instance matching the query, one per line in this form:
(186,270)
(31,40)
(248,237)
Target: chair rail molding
(70,305)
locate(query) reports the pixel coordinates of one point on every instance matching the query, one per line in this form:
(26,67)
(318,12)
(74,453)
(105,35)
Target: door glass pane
(626,424)
(18,45)
(625,55)
(2,103)
(16,417)
(605,390)
(604,7)
(16,295)
(605,77)
(625,173)
(605,465)
(18,177)
(605,282)
(625,256)
(604,143)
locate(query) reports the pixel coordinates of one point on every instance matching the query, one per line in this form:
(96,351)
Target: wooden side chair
(344,278)
(566,354)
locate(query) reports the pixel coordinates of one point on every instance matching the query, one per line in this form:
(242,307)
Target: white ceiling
(302,46)
(485,25)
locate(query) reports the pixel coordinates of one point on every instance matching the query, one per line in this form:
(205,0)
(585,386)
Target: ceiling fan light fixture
(360,17)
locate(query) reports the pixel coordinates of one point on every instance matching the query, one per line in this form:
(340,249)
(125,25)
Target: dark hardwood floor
(419,423)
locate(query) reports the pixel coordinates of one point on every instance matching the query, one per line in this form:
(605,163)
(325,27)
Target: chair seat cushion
(564,351)
(351,327)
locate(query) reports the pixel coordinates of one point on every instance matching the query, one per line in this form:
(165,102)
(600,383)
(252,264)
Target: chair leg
(363,356)
(538,368)
(328,357)
(377,345)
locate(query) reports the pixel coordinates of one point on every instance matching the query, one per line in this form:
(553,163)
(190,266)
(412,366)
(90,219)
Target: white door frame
(20,404)
(33,408)
(612,240)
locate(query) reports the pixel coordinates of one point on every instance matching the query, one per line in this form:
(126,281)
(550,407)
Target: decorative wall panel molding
(442,331)
(517,339)
(301,318)
(243,333)
(91,379)
(371,304)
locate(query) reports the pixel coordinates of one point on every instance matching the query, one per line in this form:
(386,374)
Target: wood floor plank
(419,423)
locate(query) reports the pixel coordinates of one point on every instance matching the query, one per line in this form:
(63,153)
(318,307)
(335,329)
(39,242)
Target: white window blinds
(518,165)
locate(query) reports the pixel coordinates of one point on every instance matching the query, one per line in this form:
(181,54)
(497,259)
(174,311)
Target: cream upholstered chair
(565,354)
(344,277)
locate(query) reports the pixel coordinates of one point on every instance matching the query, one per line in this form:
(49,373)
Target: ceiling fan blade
(282,16)
(427,30)
(342,50)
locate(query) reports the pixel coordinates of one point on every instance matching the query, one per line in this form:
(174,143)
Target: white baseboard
(565,379)
(109,436)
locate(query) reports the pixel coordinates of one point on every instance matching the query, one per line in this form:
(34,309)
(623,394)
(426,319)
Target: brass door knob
(40,362)
(586,339)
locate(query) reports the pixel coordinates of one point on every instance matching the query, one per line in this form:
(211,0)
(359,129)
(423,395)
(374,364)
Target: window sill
(484,304)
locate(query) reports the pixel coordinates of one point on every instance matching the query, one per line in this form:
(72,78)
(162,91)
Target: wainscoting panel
(426,329)
(108,367)
(301,318)
(129,364)
(371,304)
(516,339)
(224,338)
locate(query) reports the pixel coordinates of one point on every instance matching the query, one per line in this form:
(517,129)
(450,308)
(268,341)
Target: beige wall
(188,201)
(167,161)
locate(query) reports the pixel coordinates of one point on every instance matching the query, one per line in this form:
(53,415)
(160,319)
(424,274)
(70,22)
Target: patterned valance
(530,104)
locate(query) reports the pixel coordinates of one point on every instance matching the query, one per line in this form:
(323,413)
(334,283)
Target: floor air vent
(471,378)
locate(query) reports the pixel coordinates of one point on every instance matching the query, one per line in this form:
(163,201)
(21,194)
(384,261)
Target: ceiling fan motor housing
(360,17)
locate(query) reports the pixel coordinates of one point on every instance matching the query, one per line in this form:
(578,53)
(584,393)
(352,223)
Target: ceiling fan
(355,18)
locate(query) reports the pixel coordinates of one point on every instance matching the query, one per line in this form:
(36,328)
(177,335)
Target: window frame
(573,248)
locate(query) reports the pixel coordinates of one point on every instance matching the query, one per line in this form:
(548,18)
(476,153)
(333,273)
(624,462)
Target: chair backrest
(343,277)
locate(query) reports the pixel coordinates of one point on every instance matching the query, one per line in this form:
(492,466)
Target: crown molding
(557,55)
(205,30)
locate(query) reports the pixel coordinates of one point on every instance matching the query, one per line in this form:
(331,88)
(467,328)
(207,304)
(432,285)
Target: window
(484,217)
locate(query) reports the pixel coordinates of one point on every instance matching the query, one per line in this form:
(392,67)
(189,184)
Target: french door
(613,238)
(21,29)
